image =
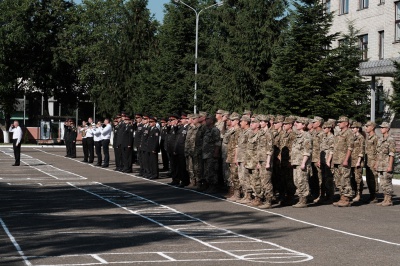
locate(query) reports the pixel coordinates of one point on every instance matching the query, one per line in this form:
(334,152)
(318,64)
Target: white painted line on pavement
(17,247)
(97,257)
(166,256)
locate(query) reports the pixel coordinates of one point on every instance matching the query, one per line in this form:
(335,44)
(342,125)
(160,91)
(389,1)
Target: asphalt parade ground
(61,211)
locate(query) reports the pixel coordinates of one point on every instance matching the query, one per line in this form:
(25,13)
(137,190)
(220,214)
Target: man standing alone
(17,137)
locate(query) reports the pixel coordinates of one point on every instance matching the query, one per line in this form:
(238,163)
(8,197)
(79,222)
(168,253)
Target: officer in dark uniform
(138,132)
(153,147)
(72,139)
(67,137)
(163,138)
(179,151)
(171,140)
(127,144)
(144,148)
(118,126)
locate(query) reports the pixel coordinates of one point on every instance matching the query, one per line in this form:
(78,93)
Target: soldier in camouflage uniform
(241,158)
(317,190)
(301,161)
(224,152)
(343,147)
(386,150)
(230,159)
(190,148)
(357,160)
(286,142)
(265,152)
(371,142)
(198,154)
(276,174)
(252,161)
(326,151)
(211,153)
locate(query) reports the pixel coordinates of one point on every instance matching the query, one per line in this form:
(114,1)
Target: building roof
(381,68)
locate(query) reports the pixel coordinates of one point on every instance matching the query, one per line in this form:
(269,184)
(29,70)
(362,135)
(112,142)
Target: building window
(363,42)
(381,2)
(344,7)
(363,4)
(397,22)
(328,6)
(381,45)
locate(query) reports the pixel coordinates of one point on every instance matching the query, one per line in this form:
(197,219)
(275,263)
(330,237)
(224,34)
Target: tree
(302,69)
(394,100)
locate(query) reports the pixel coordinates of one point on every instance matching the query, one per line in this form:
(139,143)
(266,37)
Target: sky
(156,7)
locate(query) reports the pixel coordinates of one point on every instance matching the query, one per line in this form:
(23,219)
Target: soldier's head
(327,127)
(145,119)
(127,119)
(234,119)
(245,122)
(255,123)
(163,122)
(225,115)
(356,127)
(219,114)
(278,122)
(90,120)
(184,119)
(173,120)
(343,122)
(317,122)
(138,118)
(370,127)
(301,123)
(385,127)
(152,121)
(210,121)
(288,123)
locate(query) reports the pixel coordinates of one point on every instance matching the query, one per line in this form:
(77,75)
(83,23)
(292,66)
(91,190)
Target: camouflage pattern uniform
(198,155)
(386,147)
(344,141)
(276,171)
(190,149)
(302,146)
(316,177)
(356,172)
(371,142)
(241,159)
(211,140)
(230,158)
(265,148)
(224,153)
(326,149)
(286,143)
(251,163)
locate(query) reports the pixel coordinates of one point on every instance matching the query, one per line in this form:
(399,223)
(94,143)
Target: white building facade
(378,22)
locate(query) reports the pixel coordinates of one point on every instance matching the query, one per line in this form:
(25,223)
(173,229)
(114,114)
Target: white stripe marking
(97,257)
(17,247)
(166,256)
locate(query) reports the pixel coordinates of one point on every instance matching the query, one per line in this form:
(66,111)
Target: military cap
(247,112)
(234,116)
(123,113)
(327,125)
(245,118)
(263,118)
(194,116)
(255,120)
(184,116)
(303,120)
(145,117)
(201,113)
(385,124)
(271,117)
(225,113)
(152,118)
(289,120)
(190,116)
(279,119)
(370,123)
(356,124)
(163,120)
(343,119)
(220,111)
(318,119)
(174,116)
(127,117)
(138,115)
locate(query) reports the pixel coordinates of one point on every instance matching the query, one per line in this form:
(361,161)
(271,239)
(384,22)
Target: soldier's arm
(392,150)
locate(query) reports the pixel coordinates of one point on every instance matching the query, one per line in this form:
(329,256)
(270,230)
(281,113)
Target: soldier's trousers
(244,178)
(173,159)
(254,181)
(68,147)
(153,165)
(145,163)
(234,176)
(386,182)
(300,178)
(327,180)
(316,180)
(73,148)
(126,158)
(372,180)
(267,189)
(164,155)
(190,167)
(118,158)
(342,180)
(140,161)
(356,180)
(182,174)
(211,170)
(276,176)
(198,167)
(97,145)
(287,179)
(225,166)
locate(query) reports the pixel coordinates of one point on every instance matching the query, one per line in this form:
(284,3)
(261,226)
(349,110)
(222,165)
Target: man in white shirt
(17,137)
(105,136)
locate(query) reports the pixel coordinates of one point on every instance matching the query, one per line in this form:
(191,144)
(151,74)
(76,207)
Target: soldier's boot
(246,198)
(319,198)
(193,184)
(372,198)
(267,204)
(211,189)
(287,201)
(358,197)
(256,202)
(230,192)
(235,196)
(388,201)
(340,201)
(202,186)
(328,199)
(345,203)
(382,202)
(302,203)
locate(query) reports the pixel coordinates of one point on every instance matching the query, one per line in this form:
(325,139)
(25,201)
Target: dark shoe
(153,177)
(98,164)
(84,161)
(16,164)
(104,166)
(126,171)
(173,183)
(73,157)
(67,155)
(90,162)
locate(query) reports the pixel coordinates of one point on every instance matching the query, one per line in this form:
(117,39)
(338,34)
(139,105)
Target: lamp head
(177,1)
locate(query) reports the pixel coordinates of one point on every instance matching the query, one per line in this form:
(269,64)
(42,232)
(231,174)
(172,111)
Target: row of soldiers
(264,158)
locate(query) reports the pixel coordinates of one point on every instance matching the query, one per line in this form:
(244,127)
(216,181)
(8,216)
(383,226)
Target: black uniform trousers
(153,165)
(85,149)
(182,173)
(105,144)
(127,159)
(90,148)
(119,165)
(97,145)
(73,148)
(17,151)
(164,155)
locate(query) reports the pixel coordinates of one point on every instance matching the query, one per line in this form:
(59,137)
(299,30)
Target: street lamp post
(197,45)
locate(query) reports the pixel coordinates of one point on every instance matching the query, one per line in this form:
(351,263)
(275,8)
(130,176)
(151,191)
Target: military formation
(261,160)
